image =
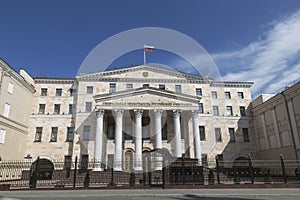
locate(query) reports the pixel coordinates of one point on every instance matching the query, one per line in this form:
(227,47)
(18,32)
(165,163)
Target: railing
(41,173)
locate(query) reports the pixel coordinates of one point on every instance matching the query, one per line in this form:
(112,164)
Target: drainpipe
(290,124)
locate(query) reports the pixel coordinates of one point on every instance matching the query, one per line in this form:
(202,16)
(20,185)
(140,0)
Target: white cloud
(271,63)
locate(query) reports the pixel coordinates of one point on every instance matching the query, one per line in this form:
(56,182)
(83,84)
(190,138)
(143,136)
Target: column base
(138,169)
(97,169)
(118,169)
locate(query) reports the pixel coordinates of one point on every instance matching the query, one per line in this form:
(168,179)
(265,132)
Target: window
(202,133)
(198,92)
(42,108)
(227,95)
(71,109)
(88,106)
(231,135)
(164,131)
(218,135)
(110,128)
(201,110)
(2,136)
(44,92)
(162,87)
(242,111)
(129,86)
(215,110)
(245,134)
(229,111)
(6,109)
(240,95)
(58,92)
(72,92)
(10,88)
(214,95)
(56,109)
(112,88)
(54,131)
(38,134)
(146,86)
(178,88)
(70,132)
(86,132)
(89,89)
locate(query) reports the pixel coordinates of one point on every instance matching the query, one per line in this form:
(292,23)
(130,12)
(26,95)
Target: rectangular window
(198,92)
(71,109)
(44,91)
(229,111)
(56,109)
(6,109)
(227,95)
(70,132)
(88,106)
(240,95)
(112,88)
(42,108)
(146,85)
(201,109)
(38,134)
(162,87)
(202,133)
(10,88)
(2,136)
(86,132)
(54,131)
(89,89)
(164,131)
(231,135)
(218,135)
(58,92)
(245,134)
(72,92)
(178,88)
(215,110)
(214,95)
(110,128)
(129,86)
(242,111)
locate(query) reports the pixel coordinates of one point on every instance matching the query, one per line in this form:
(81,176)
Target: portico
(144,115)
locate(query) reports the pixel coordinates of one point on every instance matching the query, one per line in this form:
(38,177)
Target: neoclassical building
(116,117)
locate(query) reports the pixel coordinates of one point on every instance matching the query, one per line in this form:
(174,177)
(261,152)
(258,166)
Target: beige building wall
(15,106)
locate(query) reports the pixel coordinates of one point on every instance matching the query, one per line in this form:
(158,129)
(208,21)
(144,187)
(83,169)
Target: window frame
(70,133)
(88,106)
(214,94)
(246,137)
(10,87)
(217,110)
(42,108)
(58,92)
(112,88)
(242,110)
(241,95)
(198,91)
(44,92)
(178,89)
(54,133)
(232,137)
(2,136)
(229,111)
(89,89)
(227,95)
(86,133)
(56,110)
(38,134)
(218,134)
(202,133)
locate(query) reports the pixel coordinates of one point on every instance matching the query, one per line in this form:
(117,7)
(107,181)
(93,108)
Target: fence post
(75,172)
(164,174)
(183,169)
(149,172)
(218,170)
(283,168)
(34,175)
(251,169)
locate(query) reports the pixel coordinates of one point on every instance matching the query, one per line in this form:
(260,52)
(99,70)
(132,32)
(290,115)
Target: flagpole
(144,55)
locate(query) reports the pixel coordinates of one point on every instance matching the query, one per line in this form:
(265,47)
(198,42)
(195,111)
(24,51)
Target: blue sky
(249,40)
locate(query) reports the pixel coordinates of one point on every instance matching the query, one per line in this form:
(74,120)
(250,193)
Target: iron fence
(45,174)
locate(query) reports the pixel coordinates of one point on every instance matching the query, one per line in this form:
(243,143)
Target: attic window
(145,85)
(162,87)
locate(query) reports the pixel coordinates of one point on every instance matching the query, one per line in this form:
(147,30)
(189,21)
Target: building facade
(117,117)
(277,124)
(16,92)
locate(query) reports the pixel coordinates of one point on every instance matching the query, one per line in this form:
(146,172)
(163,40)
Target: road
(156,194)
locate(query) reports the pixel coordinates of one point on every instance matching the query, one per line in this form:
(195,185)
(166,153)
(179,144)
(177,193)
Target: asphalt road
(156,194)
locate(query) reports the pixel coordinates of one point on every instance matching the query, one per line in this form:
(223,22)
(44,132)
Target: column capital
(157,113)
(100,113)
(119,113)
(195,113)
(176,113)
(138,113)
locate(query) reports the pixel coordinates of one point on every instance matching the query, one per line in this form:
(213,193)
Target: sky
(249,40)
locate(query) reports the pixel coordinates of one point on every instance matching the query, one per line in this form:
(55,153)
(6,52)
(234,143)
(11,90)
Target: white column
(197,146)
(98,141)
(158,139)
(138,140)
(177,134)
(118,140)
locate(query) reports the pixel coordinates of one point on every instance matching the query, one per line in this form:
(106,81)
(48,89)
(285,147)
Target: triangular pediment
(147,98)
(143,72)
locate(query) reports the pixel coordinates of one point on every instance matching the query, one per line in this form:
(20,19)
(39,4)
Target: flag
(148,48)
